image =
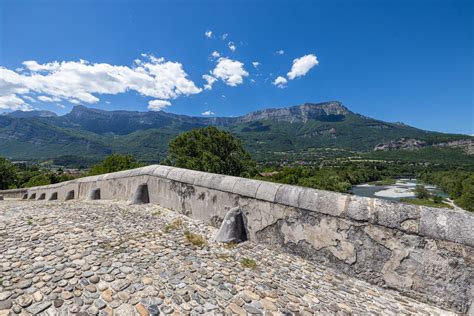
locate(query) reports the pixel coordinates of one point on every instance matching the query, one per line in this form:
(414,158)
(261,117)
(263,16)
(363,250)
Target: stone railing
(423,252)
(13,193)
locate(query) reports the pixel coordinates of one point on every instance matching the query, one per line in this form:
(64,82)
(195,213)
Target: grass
(230,245)
(248,263)
(426,202)
(195,239)
(1,281)
(30,220)
(156,213)
(176,224)
(386,181)
(224,256)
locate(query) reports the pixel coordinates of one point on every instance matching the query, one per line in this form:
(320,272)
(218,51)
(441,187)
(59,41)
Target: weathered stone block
(227,184)
(176,174)
(162,171)
(267,191)
(393,214)
(191,176)
(360,208)
(209,180)
(447,224)
(322,201)
(288,195)
(246,187)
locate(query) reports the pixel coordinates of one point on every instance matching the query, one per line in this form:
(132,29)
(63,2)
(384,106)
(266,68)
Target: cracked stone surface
(110,258)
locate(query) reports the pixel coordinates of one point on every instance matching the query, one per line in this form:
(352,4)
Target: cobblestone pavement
(104,258)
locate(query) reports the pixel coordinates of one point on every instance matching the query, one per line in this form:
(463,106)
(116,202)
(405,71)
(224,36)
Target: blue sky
(409,61)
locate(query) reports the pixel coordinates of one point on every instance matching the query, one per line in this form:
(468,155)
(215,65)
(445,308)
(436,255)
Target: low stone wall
(423,252)
(13,193)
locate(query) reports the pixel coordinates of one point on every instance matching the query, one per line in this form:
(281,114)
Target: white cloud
(210,81)
(280,82)
(302,65)
(256,64)
(62,106)
(83,82)
(208,113)
(12,102)
(45,98)
(224,36)
(208,34)
(232,46)
(280,52)
(230,71)
(215,54)
(157,105)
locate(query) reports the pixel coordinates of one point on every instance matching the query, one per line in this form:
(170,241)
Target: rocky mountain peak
(332,110)
(28,114)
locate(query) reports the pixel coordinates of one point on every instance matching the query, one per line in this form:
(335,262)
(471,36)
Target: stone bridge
(423,253)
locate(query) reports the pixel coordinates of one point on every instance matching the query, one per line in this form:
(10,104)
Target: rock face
(467,145)
(402,143)
(422,252)
(302,113)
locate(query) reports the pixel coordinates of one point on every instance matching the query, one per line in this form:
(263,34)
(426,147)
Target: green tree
(466,200)
(41,179)
(114,163)
(212,150)
(422,193)
(8,174)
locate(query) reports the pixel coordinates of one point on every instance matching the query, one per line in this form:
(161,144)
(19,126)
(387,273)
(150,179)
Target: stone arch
(42,196)
(54,196)
(94,194)
(141,195)
(33,196)
(69,195)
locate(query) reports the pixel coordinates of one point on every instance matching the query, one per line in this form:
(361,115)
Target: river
(403,188)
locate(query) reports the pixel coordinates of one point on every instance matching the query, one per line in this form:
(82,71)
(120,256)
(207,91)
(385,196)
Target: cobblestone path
(104,258)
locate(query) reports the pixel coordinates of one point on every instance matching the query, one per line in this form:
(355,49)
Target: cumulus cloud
(232,46)
(208,113)
(215,54)
(255,64)
(280,52)
(82,82)
(230,71)
(208,34)
(280,82)
(12,102)
(224,36)
(302,65)
(157,105)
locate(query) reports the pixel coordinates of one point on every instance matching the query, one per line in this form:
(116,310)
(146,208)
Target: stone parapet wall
(13,193)
(423,252)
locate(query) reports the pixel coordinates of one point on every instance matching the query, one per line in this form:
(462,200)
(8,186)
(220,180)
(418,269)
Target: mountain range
(91,134)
